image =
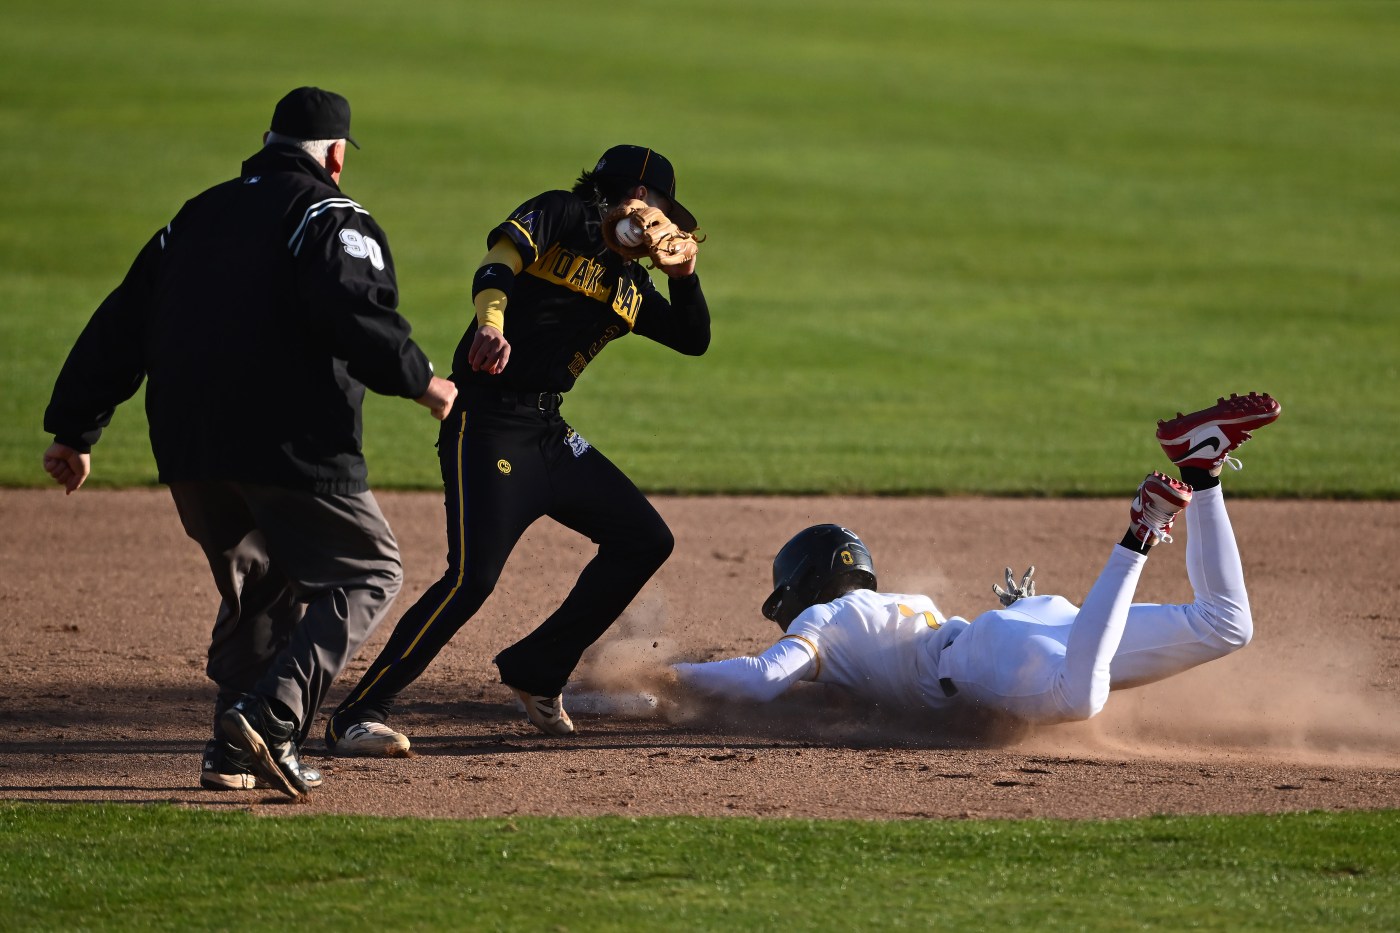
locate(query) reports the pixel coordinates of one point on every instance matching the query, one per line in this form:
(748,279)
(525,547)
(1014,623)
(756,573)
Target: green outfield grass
(954,247)
(114,868)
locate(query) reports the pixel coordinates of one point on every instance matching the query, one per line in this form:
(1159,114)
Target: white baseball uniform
(1042,660)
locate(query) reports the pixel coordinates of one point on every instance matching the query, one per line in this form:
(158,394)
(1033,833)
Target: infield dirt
(105,612)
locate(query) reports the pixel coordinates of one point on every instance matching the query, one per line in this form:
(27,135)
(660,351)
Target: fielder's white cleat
(369,740)
(547,713)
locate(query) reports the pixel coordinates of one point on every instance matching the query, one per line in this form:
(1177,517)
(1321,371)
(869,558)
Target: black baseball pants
(504,466)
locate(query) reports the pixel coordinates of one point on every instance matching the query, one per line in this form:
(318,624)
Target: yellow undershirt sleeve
(490,308)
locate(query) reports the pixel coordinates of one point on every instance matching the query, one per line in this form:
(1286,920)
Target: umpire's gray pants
(305,578)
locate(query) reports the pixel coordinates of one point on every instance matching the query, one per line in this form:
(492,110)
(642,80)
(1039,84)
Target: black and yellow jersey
(574,296)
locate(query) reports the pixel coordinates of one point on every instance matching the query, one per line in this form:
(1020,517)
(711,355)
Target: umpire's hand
(68,467)
(439,397)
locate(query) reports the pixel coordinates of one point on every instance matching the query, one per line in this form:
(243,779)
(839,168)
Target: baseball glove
(648,233)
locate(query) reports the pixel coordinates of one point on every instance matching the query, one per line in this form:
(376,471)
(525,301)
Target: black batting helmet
(818,565)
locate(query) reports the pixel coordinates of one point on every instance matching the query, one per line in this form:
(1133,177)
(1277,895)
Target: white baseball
(629,232)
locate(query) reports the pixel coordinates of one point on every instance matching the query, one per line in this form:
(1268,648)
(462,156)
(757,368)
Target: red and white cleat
(1204,439)
(1160,499)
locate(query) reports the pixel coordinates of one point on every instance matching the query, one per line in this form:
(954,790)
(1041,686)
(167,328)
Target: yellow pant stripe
(461,543)
(461,562)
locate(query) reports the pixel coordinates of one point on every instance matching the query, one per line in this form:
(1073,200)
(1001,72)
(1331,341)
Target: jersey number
(360,246)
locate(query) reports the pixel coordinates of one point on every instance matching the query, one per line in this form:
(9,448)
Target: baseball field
(960,257)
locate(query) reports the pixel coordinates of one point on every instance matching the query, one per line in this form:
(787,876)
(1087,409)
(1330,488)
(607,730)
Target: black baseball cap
(311,113)
(647,167)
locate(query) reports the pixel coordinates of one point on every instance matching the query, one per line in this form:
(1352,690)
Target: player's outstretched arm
(759,680)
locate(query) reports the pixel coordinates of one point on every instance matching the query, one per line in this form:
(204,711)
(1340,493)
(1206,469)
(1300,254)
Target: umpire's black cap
(311,113)
(647,167)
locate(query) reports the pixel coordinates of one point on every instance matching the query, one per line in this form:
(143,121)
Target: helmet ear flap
(773,604)
(794,595)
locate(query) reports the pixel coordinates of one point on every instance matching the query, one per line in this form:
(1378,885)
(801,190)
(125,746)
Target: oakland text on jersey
(581,274)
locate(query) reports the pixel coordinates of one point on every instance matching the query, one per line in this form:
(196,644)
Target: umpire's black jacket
(258,316)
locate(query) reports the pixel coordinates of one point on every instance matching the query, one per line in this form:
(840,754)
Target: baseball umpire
(557,285)
(257,318)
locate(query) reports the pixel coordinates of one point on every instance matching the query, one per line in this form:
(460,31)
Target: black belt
(949,688)
(544,401)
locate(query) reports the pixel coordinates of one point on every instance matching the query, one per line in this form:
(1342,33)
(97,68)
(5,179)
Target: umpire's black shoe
(269,742)
(227,767)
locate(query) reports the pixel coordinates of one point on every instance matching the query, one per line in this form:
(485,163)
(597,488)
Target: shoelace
(1157,518)
(1234,462)
(370,728)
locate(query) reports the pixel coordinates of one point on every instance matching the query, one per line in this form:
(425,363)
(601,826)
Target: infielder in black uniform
(257,318)
(549,297)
